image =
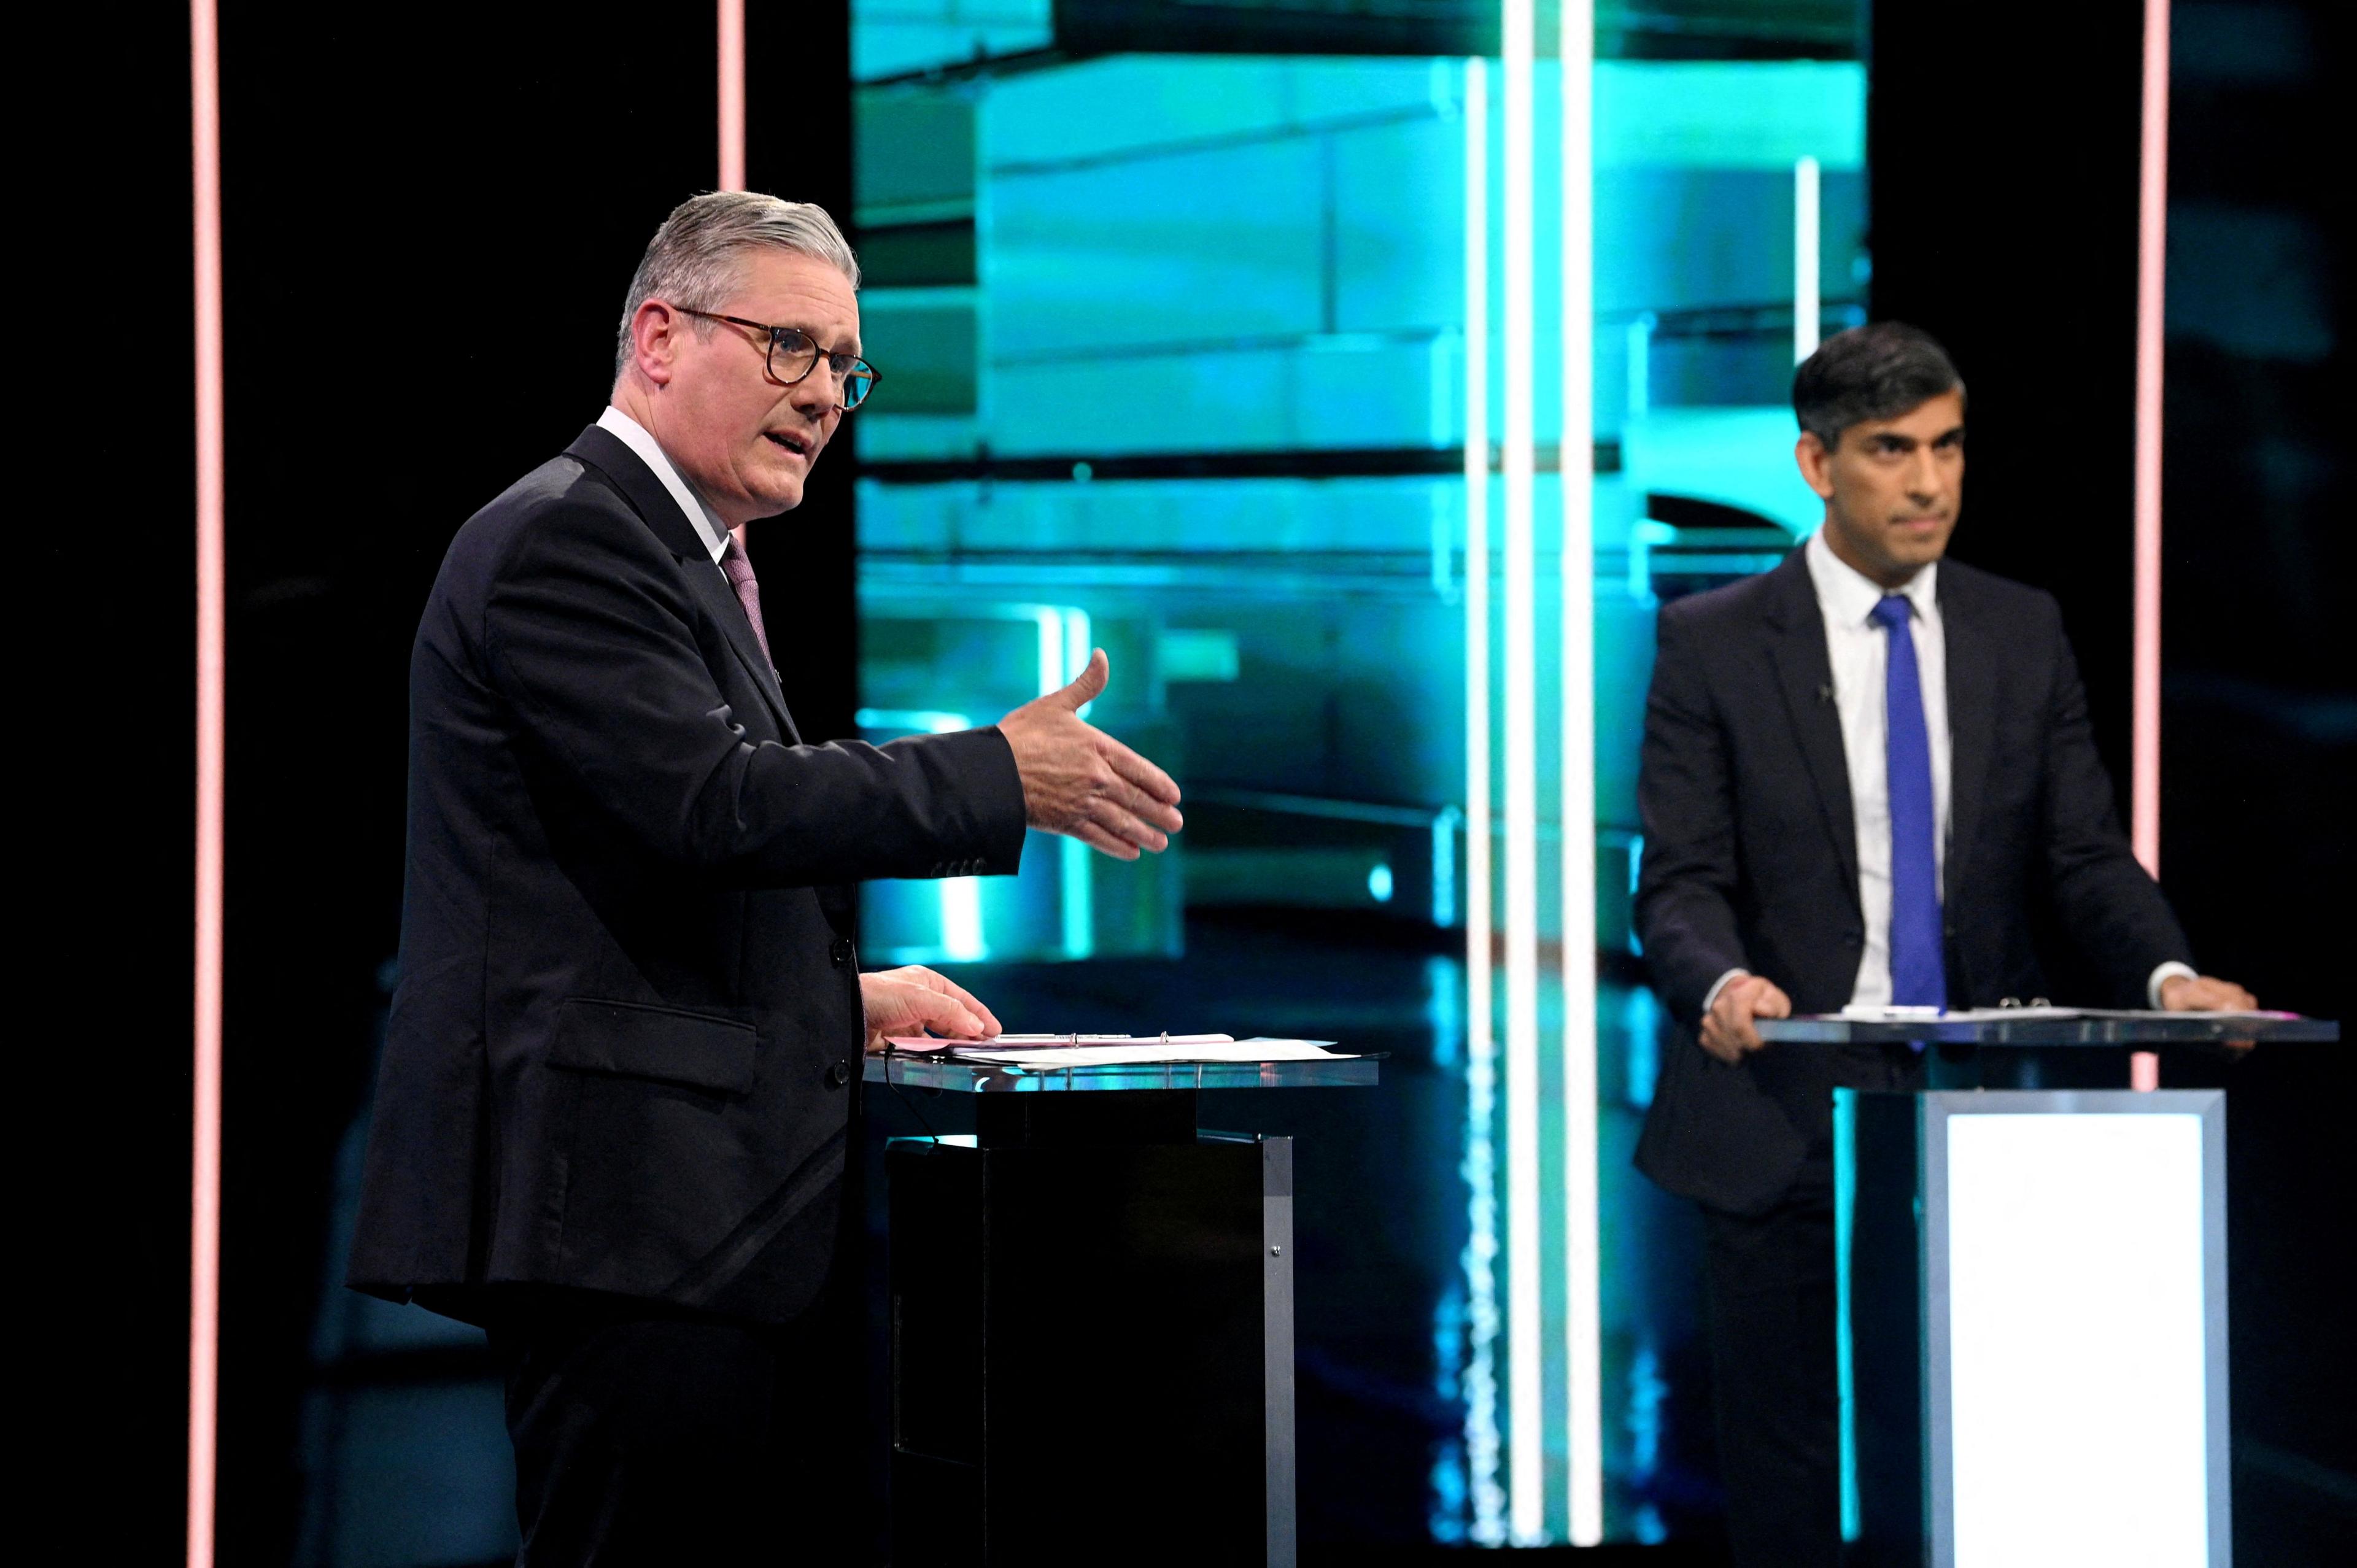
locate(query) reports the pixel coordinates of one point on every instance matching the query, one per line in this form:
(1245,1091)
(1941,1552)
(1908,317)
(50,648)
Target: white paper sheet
(1141,1050)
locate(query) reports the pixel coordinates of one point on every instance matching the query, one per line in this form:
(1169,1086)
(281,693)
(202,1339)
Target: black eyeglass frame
(841,366)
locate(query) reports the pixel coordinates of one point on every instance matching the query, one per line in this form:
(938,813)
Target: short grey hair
(695,258)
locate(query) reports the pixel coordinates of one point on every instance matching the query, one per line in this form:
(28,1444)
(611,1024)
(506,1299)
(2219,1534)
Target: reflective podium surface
(2049,1026)
(942,1071)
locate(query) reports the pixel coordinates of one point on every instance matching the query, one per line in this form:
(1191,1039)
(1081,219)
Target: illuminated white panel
(1583,1292)
(2076,1343)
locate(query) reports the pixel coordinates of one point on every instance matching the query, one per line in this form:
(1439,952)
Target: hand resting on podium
(2206,994)
(913,1000)
(1726,1031)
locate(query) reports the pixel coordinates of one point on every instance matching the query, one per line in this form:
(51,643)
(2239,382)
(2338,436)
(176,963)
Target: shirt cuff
(1720,985)
(2172,970)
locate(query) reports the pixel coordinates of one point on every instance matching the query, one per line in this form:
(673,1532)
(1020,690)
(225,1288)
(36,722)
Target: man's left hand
(915,1001)
(2206,994)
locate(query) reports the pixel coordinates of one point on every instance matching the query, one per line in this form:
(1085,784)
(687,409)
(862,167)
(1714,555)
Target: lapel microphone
(1825,693)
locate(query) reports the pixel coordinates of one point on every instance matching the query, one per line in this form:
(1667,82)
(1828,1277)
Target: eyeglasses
(794,354)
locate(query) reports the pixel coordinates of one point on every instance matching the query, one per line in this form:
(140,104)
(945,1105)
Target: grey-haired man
(621,1075)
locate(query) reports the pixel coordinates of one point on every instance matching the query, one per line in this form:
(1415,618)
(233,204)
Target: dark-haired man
(1862,774)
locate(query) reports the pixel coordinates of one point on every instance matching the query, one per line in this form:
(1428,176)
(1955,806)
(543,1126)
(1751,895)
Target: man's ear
(654,339)
(1816,464)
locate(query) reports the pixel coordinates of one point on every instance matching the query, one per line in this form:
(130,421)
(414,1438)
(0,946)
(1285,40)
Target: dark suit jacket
(624,1054)
(1750,856)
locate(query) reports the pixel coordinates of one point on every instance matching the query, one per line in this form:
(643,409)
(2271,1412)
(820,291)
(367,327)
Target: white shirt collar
(707,522)
(1848,596)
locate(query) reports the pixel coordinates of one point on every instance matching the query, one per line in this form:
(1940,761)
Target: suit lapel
(1805,673)
(604,451)
(1972,716)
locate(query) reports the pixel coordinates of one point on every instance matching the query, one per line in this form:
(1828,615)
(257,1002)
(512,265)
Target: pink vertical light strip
(732,94)
(204,1228)
(2152,254)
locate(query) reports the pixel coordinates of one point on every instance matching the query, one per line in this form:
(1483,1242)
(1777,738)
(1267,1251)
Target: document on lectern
(2036,1013)
(1117,1050)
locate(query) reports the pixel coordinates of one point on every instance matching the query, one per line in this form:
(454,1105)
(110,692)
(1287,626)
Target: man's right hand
(1080,782)
(1726,1031)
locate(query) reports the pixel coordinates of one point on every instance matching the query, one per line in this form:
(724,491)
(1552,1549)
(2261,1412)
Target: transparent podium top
(2045,1026)
(941,1070)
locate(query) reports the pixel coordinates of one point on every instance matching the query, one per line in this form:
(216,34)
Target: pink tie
(748,592)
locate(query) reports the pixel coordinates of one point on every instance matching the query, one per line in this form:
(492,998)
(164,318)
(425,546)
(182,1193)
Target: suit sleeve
(589,632)
(1685,799)
(2112,910)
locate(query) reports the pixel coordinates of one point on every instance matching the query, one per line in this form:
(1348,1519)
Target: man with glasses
(620,1084)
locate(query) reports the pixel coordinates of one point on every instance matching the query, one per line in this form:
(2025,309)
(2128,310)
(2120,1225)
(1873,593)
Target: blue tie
(1918,973)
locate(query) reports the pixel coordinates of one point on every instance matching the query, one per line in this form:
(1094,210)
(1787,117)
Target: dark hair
(1876,371)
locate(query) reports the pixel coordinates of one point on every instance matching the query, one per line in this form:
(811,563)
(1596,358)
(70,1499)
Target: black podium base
(1092,1338)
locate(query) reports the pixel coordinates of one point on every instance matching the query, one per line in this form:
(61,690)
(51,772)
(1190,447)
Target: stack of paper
(1115,1050)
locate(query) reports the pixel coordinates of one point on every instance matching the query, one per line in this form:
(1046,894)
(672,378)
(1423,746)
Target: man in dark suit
(1866,775)
(621,1075)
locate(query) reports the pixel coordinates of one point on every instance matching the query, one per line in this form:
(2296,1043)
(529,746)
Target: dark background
(431,216)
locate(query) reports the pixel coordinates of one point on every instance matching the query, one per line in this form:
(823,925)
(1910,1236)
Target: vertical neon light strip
(1489,1526)
(1807,294)
(1076,867)
(2152,251)
(1583,1285)
(732,94)
(1525,1396)
(204,1220)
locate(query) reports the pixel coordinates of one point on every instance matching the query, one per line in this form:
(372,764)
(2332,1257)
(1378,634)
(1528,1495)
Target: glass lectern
(1092,1318)
(2033,1291)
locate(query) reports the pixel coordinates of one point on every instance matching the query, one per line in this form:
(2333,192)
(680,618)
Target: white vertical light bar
(2152,250)
(732,94)
(1525,1394)
(1481,1025)
(1077,867)
(961,899)
(1807,293)
(1583,1292)
(213,620)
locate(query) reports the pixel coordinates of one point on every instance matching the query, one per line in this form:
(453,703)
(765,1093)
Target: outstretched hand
(915,1001)
(1082,783)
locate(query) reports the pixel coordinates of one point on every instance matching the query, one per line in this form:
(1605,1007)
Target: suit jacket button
(839,1074)
(841,951)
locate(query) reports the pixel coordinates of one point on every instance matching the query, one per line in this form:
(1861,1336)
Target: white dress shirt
(1859,651)
(707,522)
